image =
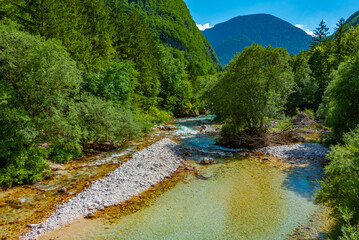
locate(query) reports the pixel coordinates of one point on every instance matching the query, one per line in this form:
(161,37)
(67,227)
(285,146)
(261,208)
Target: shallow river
(235,198)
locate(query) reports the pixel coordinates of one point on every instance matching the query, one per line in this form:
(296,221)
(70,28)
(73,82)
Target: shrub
(340,189)
(23,167)
(341,98)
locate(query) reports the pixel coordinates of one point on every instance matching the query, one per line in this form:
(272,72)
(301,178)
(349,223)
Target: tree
(38,82)
(256,85)
(320,33)
(305,89)
(342,96)
(176,89)
(340,189)
(115,83)
(135,43)
(340,29)
(34,15)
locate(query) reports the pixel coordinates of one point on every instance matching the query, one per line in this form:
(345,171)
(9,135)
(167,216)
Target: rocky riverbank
(146,168)
(301,150)
(294,155)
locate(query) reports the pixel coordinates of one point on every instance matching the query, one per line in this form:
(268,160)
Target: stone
(265,159)
(63,190)
(89,215)
(117,187)
(32,225)
(207,161)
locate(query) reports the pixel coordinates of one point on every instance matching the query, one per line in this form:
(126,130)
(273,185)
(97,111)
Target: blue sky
(304,13)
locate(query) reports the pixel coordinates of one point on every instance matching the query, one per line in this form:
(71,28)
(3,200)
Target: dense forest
(78,72)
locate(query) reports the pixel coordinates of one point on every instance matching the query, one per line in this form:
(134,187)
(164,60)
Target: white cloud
(204,26)
(305,28)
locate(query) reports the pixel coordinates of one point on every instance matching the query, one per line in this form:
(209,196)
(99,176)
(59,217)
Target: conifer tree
(34,15)
(136,43)
(320,33)
(340,29)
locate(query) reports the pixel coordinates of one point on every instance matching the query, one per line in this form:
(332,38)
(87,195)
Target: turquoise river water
(237,198)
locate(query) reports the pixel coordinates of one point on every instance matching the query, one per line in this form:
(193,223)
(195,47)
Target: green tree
(303,96)
(342,96)
(41,80)
(176,89)
(136,43)
(102,120)
(340,29)
(38,82)
(255,85)
(320,33)
(340,189)
(115,83)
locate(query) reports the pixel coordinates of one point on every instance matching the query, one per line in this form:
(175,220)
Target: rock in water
(207,161)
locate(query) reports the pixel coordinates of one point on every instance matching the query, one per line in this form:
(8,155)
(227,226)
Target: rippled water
(241,199)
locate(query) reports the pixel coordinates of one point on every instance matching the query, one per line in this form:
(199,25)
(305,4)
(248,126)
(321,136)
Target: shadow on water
(303,180)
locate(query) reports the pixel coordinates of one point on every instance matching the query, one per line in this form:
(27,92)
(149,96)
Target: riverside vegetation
(262,83)
(73,73)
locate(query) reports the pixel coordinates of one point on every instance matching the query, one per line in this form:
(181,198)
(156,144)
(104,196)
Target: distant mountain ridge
(353,20)
(234,35)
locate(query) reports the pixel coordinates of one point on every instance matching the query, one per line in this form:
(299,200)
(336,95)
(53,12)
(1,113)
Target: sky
(305,14)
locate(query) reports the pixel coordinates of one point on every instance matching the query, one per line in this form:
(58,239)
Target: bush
(23,167)
(341,98)
(115,83)
(340,189)
(102,120)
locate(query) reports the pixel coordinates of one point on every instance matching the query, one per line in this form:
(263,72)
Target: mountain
(233,36)
(353,20)
(171,22)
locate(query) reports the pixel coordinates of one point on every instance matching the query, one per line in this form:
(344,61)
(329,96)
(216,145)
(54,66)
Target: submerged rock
(207,161)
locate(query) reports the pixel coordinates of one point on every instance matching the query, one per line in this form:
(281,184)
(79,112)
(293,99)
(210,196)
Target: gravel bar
(296,151)
(146,168)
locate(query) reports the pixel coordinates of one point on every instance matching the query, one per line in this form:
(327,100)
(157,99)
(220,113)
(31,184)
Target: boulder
(207,161)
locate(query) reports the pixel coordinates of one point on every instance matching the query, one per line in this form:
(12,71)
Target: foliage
(41,101)
(341,98)
(38,81)
(256,85)
(206,84)
(103,120)
(305,88)
(340,189)
(171,23)
(176,89)
(135,43)
(22,166)
(115,83)
(320,33)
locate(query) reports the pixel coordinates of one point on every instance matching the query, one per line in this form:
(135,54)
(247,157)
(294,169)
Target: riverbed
(235,198)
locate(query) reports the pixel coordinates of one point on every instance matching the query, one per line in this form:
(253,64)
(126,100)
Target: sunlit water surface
(241,199)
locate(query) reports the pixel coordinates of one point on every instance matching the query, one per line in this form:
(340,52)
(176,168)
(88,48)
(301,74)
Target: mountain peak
(234,35)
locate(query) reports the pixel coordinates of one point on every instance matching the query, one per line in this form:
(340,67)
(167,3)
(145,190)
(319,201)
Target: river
(235,198)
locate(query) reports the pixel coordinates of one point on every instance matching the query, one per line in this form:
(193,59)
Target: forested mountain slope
(233,36)
(353,20)
(171,22)
(92,71)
